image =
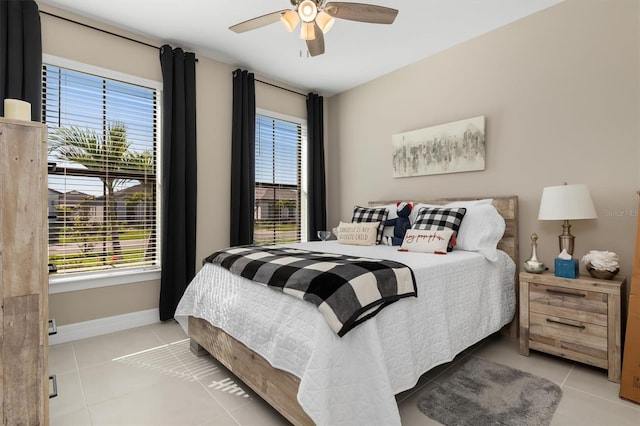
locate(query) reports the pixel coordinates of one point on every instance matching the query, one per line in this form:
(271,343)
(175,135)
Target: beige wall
(214,100)
(560,94)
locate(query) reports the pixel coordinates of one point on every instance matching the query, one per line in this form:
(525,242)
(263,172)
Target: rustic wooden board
(22,212)
(21,344)
(279,388)
(524,318)
(615,336)
(582,283)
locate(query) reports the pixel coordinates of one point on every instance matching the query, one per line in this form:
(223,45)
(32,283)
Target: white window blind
(279,195)
(102,143)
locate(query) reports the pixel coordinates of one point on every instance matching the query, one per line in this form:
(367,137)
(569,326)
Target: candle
(17,109)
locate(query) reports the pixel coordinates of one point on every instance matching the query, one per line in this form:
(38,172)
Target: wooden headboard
(507,206)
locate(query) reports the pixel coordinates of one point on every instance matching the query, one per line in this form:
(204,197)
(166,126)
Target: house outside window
(103,150)
(280,183)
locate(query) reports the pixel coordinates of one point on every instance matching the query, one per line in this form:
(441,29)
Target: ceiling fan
(318,18)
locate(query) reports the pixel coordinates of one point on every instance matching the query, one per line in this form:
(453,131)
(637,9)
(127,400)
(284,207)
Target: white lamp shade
(307,31)
(307,11)
(325,21)
(289,20)
(566,202)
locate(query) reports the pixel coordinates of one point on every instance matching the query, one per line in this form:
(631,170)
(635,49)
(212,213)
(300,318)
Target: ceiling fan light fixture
(307,31)
(289,20)
(325,21)
(317,18)
(307,10)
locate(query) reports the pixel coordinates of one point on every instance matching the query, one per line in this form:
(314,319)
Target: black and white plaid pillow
(371,214)
(439,218)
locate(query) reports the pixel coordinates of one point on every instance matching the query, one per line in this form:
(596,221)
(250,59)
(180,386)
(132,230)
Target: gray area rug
(482,392)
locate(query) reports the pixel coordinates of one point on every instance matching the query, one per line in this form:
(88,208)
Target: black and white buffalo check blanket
(347,290)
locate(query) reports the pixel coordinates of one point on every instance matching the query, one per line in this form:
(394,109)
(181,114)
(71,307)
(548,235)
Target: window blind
(278,176)
(102,152)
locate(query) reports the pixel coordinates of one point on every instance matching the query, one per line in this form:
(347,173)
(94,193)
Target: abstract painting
(453,147)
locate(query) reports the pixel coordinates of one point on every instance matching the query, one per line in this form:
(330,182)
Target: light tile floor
(148,376)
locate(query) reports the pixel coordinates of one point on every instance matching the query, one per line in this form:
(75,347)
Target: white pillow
(424,241)
(417,207)
(481,230)
(470,203)
(358,233)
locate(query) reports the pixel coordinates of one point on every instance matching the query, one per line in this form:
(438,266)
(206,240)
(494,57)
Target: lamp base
(566,240)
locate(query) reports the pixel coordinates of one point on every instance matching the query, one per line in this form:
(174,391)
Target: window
(280,196)
(103,135)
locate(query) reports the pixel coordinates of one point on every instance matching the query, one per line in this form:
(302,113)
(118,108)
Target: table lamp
(566,202)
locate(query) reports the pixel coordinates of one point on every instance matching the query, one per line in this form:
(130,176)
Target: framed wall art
(453,147)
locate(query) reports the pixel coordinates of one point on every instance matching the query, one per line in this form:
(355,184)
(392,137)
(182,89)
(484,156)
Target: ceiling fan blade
(258,22)
(316,46)
(361,12)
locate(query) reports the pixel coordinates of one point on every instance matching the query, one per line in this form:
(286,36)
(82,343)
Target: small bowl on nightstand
(601,274)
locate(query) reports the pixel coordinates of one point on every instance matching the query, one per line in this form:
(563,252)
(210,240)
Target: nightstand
(578,319)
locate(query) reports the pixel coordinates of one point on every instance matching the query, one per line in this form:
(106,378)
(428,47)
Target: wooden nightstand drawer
(573,339)
(578,305)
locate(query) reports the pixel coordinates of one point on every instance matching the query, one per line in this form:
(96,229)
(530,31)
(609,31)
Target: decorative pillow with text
(359,234)
(424,241)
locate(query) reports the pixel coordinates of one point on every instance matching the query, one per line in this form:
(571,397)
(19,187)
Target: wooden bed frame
(280,388)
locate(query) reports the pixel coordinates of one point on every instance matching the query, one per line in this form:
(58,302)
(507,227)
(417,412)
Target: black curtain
(21,54)
(243,157)
(317,186)
(178,176)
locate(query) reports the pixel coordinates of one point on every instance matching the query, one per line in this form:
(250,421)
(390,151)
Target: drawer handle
(52,327)
(582,327)
(565,293)
(54,380)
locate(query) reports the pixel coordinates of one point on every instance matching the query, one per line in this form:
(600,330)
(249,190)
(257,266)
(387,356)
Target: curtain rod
(274,85)
(101,30)
(279,87)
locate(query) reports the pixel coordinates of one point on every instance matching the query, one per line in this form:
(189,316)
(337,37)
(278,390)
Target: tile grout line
(573,366)
(84,396)
(602,398)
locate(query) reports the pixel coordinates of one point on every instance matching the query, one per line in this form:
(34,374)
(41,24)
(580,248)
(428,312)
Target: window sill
(76,282)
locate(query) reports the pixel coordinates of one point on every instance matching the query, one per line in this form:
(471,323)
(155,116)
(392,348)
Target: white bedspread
(352,380)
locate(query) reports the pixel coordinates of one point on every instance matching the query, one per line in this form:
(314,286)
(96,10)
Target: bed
(353,379)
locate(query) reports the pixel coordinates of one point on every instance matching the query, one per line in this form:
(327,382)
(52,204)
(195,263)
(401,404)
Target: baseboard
(98,327)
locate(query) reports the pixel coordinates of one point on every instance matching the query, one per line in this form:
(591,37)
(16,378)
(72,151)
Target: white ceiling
(355,52)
